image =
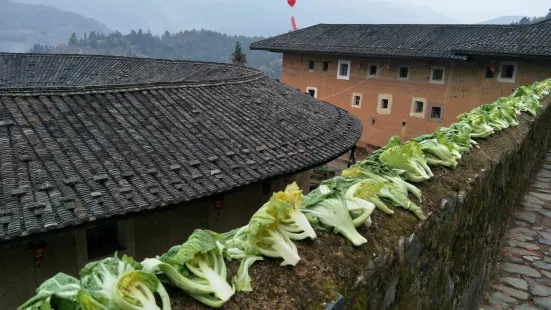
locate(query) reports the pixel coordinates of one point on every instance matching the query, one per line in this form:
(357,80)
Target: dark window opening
(372,121)
(325,66)
(437,74)
(507,71)
(418,106)
(311,65)
(436,112)
(373,70)
(103,240)
(343,70)
(266,188)
(357,100)
(404,72)
(489,73)
(312,92)
(403,123)
(384,103)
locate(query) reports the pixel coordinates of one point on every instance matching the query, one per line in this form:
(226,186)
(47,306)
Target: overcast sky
(472,11)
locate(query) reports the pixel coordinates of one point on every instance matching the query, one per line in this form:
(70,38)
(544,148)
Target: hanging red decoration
(291,2)
(293,23)
(218,205)
(37,250)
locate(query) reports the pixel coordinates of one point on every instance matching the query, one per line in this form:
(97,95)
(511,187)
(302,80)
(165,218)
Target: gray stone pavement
(524,281)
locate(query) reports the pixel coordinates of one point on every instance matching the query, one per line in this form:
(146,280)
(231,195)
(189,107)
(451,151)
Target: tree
(524,21)
(73,39)
(238,57)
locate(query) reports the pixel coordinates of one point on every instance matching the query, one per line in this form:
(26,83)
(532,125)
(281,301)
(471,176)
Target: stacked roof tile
(88,137)
(529,40)
(416,41)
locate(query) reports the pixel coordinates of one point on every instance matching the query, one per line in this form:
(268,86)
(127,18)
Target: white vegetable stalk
(281,249)
(301,221)
(220,287)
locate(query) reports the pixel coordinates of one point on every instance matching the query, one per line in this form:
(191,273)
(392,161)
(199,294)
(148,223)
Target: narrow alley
(524,281)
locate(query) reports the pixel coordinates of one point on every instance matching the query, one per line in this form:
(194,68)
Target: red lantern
(291,2)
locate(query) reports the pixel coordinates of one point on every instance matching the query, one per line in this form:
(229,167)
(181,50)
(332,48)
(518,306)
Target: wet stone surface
(525,271)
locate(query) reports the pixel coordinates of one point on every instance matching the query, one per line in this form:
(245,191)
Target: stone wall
(144,236)
(443,262)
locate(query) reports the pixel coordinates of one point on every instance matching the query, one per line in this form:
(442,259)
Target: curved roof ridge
(77,156)
(21,72)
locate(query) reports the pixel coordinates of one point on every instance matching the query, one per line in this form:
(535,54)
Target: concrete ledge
(443,262)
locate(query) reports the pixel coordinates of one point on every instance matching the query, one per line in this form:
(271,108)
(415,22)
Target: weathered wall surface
(145,236)
(465,87)
(441,263)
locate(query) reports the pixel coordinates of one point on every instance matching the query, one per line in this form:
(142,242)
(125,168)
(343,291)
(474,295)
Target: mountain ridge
(23,25)
(242,17)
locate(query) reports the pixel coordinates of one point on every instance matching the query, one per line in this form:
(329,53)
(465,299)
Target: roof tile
(121,130)
(391,40)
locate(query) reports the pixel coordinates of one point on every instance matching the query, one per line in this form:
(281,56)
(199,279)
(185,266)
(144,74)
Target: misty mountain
(203,45)
(23,25)
(503,20)
(242,17)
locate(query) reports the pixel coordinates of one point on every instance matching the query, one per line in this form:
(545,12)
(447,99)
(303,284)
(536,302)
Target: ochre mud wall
(443,262)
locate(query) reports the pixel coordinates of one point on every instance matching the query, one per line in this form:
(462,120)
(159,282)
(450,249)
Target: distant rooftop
(415,41)
(407,40)
(89,137)
(530,40)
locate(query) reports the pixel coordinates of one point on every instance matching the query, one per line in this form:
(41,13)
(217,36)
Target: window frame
(369,65)
(352,101)
(313,65)
(409,72)
(429,116)
(315,89)
(515,69)
(413,113)
(432,80)
(380,98)
(325,66)
(341,62)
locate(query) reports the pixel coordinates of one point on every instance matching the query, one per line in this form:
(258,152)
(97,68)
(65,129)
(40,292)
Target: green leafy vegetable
(114,283)
(330,209)
(197,267)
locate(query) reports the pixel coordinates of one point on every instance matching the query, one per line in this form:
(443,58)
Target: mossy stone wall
(443,262)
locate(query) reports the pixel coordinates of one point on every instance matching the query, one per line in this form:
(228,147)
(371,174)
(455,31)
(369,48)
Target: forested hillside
(201,45)
(23,25)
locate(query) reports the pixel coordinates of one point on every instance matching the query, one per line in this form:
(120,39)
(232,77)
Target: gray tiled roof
(408,40)
(529,40)
(107,139)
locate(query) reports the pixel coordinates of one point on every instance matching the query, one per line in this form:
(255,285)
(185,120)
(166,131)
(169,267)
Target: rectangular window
(103,240)
(403,73)
(356,100)
(325,66)
(312,91)
(311,65)
(507,72)
(437,75)
(436,112)
(373,69)
(489,73)
(343,72)
(384,104)
(418,107)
